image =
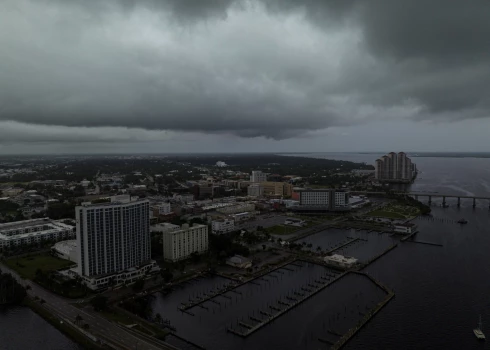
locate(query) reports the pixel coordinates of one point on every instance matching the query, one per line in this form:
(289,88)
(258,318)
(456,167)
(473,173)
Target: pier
(287,306)
(368,316)
(380,255)
(427,243)
(353,240)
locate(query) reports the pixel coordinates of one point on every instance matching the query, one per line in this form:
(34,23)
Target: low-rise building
(180,244)
(340,260)
(405,228)
(222,226)
(162,209)
(239,261)
(237,208)
(34,231)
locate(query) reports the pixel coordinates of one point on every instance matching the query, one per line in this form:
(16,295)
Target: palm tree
(318,249)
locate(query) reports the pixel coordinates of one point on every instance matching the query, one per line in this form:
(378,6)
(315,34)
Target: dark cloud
(276,68)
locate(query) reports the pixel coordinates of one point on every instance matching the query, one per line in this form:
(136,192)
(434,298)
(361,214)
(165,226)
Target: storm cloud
(277,68)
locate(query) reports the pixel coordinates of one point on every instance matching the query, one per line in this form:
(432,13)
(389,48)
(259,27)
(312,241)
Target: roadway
(107,331)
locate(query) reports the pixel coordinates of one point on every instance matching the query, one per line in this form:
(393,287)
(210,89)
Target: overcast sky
(260,75)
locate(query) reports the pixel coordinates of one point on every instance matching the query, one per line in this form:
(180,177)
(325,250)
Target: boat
(478,332)
(462,221)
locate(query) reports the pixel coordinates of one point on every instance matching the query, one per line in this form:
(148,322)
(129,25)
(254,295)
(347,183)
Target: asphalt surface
(107,331)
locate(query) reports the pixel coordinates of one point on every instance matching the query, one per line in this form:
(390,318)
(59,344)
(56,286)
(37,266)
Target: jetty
(313,288)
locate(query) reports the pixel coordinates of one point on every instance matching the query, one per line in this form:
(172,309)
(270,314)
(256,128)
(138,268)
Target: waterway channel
(22,328)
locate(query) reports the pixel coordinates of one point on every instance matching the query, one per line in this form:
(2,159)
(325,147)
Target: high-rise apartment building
(113,241)
(394,167)
(258,176)
(179,243)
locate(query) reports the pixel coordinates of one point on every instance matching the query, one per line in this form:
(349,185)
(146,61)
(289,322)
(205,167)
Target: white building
(181,243)
(113,241)
(66,250)
(163,208)
(255,190)
(221,164)
(223,226)
(239,262)
(34,231)
(340,260)
(258,176)
(405,228)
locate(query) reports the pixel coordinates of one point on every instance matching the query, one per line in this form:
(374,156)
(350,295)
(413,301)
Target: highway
(107,331)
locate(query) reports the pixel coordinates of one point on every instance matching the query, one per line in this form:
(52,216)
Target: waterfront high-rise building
(113,238)
(394,167)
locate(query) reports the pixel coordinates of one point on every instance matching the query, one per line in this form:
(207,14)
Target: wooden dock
(287,306)
(368,316)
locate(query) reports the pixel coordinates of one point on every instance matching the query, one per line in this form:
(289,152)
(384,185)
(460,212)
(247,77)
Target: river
(21,328)
(440,291)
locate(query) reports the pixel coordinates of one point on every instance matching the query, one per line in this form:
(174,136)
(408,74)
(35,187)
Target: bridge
(430,195)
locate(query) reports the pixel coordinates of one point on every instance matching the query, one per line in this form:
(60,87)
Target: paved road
(110,332)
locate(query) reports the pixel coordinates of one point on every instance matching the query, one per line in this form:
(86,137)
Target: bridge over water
(430,195)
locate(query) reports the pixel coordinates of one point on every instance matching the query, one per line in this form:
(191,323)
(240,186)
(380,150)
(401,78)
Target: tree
(263,247)
(158,318)
(139,285)
(318,248)
(195,257)
(166,275)
(99,302)
(78,319)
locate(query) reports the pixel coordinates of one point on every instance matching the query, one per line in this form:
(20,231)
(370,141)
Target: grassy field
(27,266)
(395,211)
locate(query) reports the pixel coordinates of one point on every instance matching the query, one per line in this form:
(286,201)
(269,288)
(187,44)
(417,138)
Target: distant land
(411,154)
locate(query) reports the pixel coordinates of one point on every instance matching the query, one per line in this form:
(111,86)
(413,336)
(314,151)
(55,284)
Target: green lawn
(27,266)
(386,214)
(395,211)
(281,229)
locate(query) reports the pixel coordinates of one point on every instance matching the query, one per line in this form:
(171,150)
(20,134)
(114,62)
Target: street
(107,331)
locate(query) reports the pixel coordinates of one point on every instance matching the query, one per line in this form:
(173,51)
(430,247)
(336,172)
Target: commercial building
(394,167)
(113,241)
(222,226)
(345,262)
(326,199)
(34,231)
(181,242)
(237,208)
(258,176)
(255,190)
(282,189)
